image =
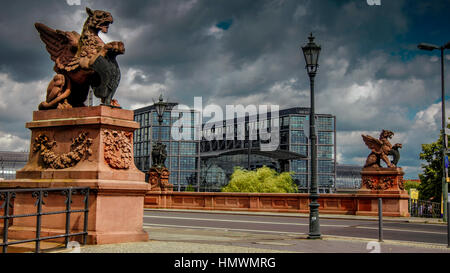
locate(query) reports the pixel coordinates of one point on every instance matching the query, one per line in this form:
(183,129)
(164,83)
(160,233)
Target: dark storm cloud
(22,54)
(371,74)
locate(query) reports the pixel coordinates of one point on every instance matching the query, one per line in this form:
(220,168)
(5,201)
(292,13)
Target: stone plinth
(83,147)
(385,183)
(159,179)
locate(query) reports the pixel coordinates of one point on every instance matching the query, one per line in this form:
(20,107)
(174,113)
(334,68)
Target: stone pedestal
(159,179)
(385,183)
(83,147)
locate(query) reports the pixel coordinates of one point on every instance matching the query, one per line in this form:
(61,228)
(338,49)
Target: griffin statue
(82,61)
(381,148)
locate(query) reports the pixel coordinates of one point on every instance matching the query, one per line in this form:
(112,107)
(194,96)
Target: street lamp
(431,47)
(159,153)
(311,52)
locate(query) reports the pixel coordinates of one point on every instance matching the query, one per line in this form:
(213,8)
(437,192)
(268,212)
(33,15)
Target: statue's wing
(62,46)
(373,143)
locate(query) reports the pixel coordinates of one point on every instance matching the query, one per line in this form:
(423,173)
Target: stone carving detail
(118,147)
(82,60)
(381,148)
(79,150)
(159,179)
(401,183)
(373,183)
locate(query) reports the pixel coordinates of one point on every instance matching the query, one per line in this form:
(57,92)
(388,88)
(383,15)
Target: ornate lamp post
(311,52)
(158,173)
(430,47)
(159,150)
(160,107)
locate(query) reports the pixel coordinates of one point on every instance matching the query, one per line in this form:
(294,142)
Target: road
(399,231)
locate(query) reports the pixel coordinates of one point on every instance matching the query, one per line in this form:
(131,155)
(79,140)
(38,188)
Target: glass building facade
(348,177)
(207,165)
(217,166)
(10,162)
(183,156)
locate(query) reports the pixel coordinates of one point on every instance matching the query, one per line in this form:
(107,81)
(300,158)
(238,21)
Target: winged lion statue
(81,61)
(381,148)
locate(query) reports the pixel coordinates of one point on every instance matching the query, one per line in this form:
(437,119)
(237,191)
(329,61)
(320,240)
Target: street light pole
(311,53)
(431,47)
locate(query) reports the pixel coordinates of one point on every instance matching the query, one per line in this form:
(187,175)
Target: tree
(264,180)
(409,184)
(431,178)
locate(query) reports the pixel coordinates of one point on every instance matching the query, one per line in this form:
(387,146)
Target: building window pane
(325,166)
(325,137)
(299,166)
(298,137)
(301,180)
(297,122)
(325,152)
(300,149)
(188,178)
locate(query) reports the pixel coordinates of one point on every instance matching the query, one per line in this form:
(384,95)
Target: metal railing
(427,209)
(8,196)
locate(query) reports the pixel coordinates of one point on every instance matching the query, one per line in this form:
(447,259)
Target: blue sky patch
(226,24)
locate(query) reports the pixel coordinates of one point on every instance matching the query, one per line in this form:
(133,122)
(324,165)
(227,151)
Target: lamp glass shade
(311,51)
(160,108)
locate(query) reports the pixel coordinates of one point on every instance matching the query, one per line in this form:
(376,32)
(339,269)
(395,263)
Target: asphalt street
(290,225)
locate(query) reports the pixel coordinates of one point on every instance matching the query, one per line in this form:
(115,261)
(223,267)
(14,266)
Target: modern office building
(207,165)
(10,162)
(183,158)
(219,157)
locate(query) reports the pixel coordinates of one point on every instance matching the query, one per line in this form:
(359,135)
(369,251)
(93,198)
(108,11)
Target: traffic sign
(446,162)
(414,194)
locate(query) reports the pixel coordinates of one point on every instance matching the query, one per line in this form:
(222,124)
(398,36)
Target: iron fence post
(38,221)
(6,222)
(68,208)
(380,219)
(86,213)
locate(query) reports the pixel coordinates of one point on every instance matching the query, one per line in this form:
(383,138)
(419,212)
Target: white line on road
(402,230)
(239,221)
(294,224)
(232,229)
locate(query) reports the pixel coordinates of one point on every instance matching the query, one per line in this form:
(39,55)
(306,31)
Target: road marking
(294,224)
(239,221)
(226,229)
(402,230)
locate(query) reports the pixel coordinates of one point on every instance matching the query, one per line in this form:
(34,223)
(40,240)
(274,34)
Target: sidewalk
(322,216)
(183,240)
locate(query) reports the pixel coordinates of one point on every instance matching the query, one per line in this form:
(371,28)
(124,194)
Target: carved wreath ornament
(79,149)
(118,148)
(382,184)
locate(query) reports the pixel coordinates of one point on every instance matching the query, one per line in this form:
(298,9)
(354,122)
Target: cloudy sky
(371,75)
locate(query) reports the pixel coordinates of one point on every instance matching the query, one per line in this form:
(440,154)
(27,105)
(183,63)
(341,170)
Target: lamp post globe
(311,52)
(160,107)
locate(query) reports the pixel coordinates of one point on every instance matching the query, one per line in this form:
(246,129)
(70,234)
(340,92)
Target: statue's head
(386,134)
(99,20)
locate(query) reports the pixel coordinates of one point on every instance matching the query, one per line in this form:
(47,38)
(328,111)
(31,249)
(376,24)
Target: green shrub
(263,180)
(189,188)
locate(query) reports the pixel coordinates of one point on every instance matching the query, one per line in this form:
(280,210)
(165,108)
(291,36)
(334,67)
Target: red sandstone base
(103,161)
(159,179)
(346,204)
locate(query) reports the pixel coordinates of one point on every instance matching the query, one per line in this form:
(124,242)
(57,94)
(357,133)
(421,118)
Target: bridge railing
(7,207)
(423,208)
